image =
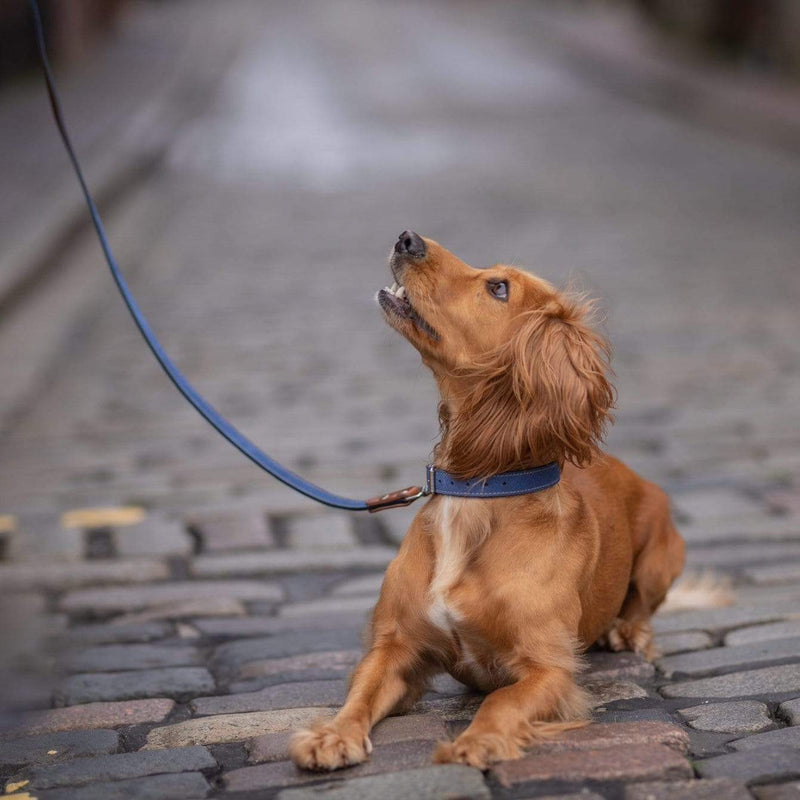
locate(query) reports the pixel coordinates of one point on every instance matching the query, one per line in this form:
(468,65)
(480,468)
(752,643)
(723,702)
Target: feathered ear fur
(543,396)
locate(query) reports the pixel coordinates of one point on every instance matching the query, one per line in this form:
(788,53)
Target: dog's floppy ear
(560,372)
(543,396)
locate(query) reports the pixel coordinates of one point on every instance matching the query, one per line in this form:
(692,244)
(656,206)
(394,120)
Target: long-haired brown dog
(505,593)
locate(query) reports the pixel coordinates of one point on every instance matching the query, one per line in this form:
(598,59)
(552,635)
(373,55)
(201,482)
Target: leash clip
(430,479)
(403,497)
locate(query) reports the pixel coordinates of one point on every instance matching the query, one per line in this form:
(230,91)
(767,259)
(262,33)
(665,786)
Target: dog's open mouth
(394,302)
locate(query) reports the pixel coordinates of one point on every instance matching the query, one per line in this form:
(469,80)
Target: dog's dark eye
(498,289)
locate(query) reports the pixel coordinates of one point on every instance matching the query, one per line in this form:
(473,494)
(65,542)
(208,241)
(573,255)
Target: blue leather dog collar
(507,484)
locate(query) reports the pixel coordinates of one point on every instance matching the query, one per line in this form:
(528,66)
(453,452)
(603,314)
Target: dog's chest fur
(460,526)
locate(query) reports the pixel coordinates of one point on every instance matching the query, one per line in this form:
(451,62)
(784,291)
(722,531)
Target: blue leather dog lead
(439,482)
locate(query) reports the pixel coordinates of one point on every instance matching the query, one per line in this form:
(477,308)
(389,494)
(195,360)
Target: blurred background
(255,161)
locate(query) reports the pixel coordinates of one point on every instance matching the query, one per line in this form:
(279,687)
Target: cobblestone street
(170,613)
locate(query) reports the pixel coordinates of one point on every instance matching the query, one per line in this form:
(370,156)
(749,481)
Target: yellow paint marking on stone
(102,517)
(8,523)
(12,787)
(52,752)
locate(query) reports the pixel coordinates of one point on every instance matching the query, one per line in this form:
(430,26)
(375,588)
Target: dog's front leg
(512,717)
(381,681)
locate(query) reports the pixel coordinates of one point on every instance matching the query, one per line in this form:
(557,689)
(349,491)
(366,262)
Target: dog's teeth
(394,288)
(400,293)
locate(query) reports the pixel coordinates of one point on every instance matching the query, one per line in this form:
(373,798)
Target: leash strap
(439,481)
(204,408)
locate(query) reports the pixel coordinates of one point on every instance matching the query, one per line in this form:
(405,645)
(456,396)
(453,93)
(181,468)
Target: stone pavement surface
(167,649)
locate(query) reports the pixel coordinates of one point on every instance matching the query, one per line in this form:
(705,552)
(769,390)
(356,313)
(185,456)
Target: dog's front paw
(328,746)
(476,751)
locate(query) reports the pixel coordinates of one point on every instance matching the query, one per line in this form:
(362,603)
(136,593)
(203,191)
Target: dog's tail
(699,590)
(541,731)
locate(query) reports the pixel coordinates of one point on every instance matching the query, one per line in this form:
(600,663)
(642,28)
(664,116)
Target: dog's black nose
(411,244)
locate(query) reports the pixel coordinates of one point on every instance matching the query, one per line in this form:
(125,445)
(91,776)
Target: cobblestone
(442,782)
(118,767)
(582,795)
(321,531)
(756,595)
(337,661)
(765,681)
(163,594)
(761,633)
(723,530)
(411,727)
(116,633)
(54,747)
(630,763)
(723,619)
(744,716)
(669,643)
(284,695)
(116,658)
(775,573)
(791,710)
(710,503)
(599,736)
(603,691)
(397,757)
(233,654)
(268,747)
(365,584)
(274,746)
(783,737)
(277,562)
(40,539)
(652,713)
(153,537)
(204,607)
(708,661)
(714,789)
(265,626)
(784,791)
(231,727)
(742,554)
(756,766)
(180,786)
(96,715)
(330,605)
(785,501)
(618,666)
(54,576)
(179,683)
(228,530)
(450,709)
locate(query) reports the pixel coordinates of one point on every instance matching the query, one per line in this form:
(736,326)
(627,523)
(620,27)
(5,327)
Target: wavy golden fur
(506,593)
(545,391)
